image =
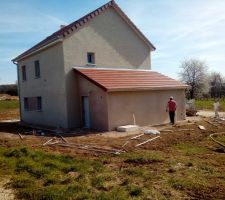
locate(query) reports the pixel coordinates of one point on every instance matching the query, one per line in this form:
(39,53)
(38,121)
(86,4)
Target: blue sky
(178,29)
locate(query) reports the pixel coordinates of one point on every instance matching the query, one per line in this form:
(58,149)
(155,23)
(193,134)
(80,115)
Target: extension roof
(74,26)
(127,80)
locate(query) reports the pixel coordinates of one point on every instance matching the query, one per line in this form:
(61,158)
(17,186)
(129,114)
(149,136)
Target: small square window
(37,69)
(91,58)
(24,74)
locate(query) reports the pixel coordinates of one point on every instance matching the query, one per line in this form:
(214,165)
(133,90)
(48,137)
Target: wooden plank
(137,136)
(88,147)
(185,129)
(127,142)
(166,131)
(52,143)
(47,142)
(147,141)
(21,137)
(211,123)
(63,138)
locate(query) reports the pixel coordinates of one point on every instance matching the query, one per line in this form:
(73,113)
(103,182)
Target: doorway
(85,112)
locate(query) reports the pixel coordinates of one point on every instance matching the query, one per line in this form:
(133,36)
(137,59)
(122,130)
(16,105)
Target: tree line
(194,72)
(10,89)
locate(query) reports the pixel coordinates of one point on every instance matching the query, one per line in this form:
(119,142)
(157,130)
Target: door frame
(83,118)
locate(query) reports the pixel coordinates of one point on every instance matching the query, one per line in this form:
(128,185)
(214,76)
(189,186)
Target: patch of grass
(221,139)
(9,104)
(206,169)
(22,181)
(117,193)
(207,104)
(142,157)
(181,183)
(190,149)
(134,190)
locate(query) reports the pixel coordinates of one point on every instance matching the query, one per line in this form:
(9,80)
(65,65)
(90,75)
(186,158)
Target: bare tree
(194,73)
(216,82)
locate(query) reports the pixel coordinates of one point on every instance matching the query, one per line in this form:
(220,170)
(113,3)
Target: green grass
(207,104)
(41,175)
(190,149)
(9,104)
(135,175)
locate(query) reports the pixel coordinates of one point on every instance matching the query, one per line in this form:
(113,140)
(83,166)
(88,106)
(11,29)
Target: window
(33,103)
(39,104)
(24,75)
(91,58)
(37,69)
(25,101)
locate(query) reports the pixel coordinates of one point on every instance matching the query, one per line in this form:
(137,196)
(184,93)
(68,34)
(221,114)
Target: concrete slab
(128,128)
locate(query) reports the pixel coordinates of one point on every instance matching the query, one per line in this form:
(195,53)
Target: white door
(85,112)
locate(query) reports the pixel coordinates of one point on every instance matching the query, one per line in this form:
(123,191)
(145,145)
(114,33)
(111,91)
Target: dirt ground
(186,131)
(5,193)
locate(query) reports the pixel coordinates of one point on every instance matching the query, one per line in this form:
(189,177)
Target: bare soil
(5,193)
(165,144)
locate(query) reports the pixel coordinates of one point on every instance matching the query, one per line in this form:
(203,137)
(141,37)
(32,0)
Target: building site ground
(183,163)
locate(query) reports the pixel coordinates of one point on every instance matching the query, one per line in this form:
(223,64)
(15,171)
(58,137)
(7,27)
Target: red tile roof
(125,80)
(63,32)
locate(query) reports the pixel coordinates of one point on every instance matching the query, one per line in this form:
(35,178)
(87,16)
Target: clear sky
(178,28)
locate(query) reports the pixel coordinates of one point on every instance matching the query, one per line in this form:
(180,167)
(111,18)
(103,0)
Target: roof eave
(44,46)
(147,89)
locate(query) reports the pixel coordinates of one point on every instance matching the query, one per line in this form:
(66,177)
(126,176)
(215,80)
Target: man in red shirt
(171,108)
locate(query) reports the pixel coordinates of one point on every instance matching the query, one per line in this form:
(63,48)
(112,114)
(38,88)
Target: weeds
(207,104)
(180,183)
(190,149)
(9,104)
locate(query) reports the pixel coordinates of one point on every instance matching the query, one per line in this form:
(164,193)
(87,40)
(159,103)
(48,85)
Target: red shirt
(172,105)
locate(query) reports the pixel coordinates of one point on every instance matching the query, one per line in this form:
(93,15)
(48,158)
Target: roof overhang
(41,48)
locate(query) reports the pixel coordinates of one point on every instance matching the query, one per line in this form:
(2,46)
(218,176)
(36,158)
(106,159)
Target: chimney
(62,26)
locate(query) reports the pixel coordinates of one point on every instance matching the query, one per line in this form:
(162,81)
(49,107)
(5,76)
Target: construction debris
(137,136)
(147,141)
(63,138)
(211,123)
(128,128)
(48,142)
(89,147)
(190,108)
(216,134)
(201,127)
(21,137)
(166,131)
(127,142)
(151,131)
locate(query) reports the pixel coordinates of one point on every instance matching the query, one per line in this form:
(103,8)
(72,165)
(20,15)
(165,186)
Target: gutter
(147,89)
(51,43)
(18,89)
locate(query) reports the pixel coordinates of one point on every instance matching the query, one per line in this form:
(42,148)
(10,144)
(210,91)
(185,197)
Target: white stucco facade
(50,86)
(114,44)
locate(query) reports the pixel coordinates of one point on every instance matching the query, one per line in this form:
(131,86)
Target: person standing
(216,106)
(171,108)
